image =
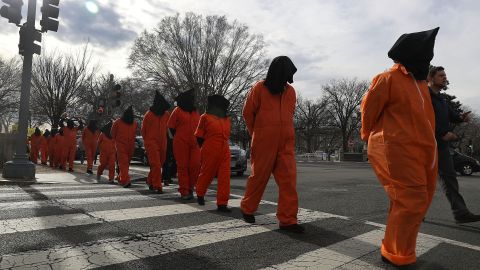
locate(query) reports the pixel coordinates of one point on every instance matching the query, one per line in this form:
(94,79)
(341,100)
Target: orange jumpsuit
(51,150)
(123,135)
(69,146)
(44,149)
(185,148)
(215,156)
(89,140)
(269,120)
(154,133)
(59,150)
(35,143)
(107,156)
(399,123)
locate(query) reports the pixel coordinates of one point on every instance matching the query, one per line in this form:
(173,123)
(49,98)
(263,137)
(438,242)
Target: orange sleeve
(250,108)
(172,121)
(200,132)
(373,104)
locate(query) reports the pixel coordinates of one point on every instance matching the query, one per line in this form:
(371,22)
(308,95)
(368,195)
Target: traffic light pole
(20,167)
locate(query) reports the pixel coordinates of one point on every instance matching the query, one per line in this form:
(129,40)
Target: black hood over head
(61,131)
(280,72)
(415,51)
(70,123)
(106,129)
(37,132)
(160,104)
(92,125)
(217,102)
(128,115)
(53,132)
(46,134)
(186,100)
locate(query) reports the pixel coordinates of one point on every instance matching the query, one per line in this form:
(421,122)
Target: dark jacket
(444,116)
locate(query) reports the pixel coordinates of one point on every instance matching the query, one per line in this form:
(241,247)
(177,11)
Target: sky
(326,39)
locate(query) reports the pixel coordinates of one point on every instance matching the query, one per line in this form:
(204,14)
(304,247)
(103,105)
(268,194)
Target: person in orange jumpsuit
(35,144)
(213,133)
(182,123)
(123,133)
(44,146)
(154,133)
(107,153)
(89,139)
(51,147)
(70,143)
(398,122)
(268,113)
(59,144)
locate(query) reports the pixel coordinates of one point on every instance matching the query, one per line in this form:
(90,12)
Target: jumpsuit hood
(218,102)
(53,132)
(280,72)
(61,131)
(37,132)
(160,104)
(128,115)
(415,51)
(186,100)
(46,134)
(106,129)
(92,125)
(70,123)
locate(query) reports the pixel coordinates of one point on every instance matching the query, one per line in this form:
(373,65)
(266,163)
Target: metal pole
(20,166)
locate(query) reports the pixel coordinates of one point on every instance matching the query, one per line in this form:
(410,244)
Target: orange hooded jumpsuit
(44,149)
(59,152)
(154,133)
(185,148)
(398,122)
(124,136)
(69,146)
(215,156)
(89,140)
(51,149)
(107,156)
(269,120)
(35,145)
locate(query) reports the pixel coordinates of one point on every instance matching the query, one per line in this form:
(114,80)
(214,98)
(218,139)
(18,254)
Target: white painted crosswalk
(198,228)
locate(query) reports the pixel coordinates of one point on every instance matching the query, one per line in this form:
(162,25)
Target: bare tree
(10,82)
(57,81)
(206,53)
(311,116)
(344,97)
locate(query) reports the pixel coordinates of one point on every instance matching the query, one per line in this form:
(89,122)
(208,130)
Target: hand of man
(466,117)
(449,136)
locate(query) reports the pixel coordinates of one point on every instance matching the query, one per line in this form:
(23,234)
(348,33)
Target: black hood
(217,102)
(415,51)
(46,134)
(160,104)
(186,100)
(128,115)
(37,132)
(280,72)
(54,132)
(61,131)
(92,125)
(106,129)
(70,123)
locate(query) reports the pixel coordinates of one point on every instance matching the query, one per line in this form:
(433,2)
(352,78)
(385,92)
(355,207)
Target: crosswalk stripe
(120,250)
(69,220)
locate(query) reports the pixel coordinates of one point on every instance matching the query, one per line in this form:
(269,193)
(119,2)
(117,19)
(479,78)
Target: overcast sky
(325,39)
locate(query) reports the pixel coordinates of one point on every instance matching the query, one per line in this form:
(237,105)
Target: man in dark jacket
(444,116)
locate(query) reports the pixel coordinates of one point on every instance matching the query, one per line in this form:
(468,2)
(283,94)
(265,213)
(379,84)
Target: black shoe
(150,187)
(201,200)
(248,218)
(401,267)
(223,208)
(129,184)
(467,218)
(89,172)
(295,228)
(70,169)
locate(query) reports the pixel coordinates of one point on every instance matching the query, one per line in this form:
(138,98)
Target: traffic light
(27,44)
(116,95)
(50,13)
(13,12)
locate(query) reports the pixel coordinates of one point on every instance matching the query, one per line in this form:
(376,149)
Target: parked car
(139,153)
(464,164)
(238,159)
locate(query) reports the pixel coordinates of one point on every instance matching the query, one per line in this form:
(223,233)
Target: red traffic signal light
(13,12)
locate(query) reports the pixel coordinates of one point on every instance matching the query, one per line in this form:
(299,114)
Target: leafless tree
(57,80)
(344,97)
(311,118)
(206,53)
(10,82)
